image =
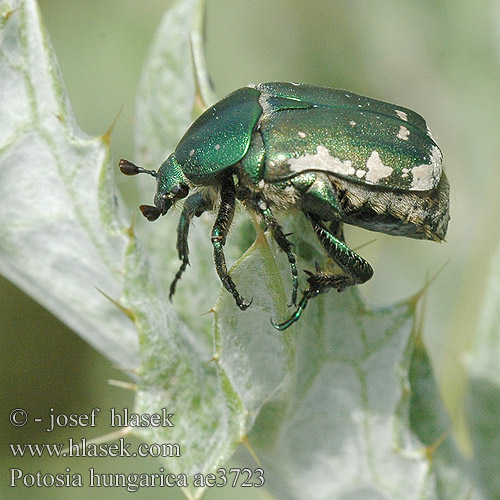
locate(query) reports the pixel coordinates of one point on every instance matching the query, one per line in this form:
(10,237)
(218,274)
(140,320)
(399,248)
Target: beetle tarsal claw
(308,294)
(244,304)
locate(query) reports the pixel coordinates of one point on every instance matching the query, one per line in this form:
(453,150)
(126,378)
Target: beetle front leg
(194,206)
(282,241)
(218,237)
(356,269)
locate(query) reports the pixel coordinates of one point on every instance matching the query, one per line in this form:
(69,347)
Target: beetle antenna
(151,213)
(128,168)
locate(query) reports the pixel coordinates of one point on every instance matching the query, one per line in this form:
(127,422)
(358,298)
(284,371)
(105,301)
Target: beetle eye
(180,191)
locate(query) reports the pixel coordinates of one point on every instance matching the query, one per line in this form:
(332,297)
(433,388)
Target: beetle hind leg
(218,238)
(356,269)
(337,230)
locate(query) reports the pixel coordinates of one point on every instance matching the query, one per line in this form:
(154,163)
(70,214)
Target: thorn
(123,385)
(427,285)
(129,231)
(10,12)
(106,137)
(214,359)
(210,311)
(364,244)
(430,450)
(127,311)
(248,446)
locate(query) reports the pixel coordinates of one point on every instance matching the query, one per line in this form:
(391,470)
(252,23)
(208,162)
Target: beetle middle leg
(281,239)
(219,235)
(194,206)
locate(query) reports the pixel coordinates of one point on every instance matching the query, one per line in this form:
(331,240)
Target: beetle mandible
(336,156)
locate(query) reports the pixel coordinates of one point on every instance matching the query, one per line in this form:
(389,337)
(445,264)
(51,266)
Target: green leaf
(483,395)
(61,239)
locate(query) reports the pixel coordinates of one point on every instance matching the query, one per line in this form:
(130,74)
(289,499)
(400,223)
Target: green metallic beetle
(336,156)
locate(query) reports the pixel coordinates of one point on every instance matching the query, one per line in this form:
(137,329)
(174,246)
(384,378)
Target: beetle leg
(282,241)
(308,294)
(194,206)
(356,269)
(337,229)
(218,237)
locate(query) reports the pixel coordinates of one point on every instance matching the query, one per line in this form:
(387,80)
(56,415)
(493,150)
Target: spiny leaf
(60,235)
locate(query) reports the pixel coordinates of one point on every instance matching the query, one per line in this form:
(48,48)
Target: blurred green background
(440,58)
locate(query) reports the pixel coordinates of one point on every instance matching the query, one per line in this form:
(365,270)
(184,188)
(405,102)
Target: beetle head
(170,185)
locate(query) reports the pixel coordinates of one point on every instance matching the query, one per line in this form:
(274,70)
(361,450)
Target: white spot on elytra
(403,133)
(427,176)
(321,161)
(376,169)
(264,103)
(191,153)
(402,115)
(422,178)
(302,135)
